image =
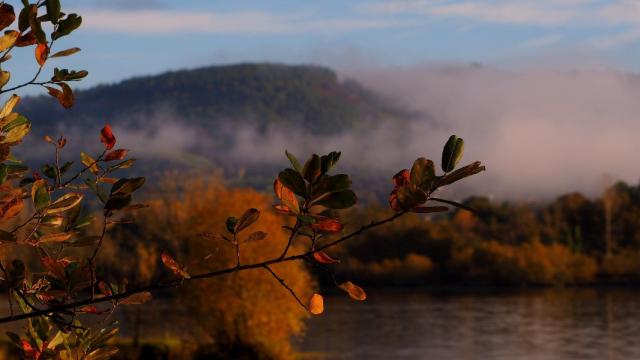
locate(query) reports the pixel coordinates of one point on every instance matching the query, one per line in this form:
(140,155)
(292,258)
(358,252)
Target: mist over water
(540,132)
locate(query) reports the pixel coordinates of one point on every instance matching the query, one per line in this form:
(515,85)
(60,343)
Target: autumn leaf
(66,52)
(316,304)
(401,178)
(286,196)
(256,236)
(27,39)
(172,265)
(65,96)
(54,238)
(327,225)
(107,138)
(8,39)
(7,16)
(247,219)
(11,204)
(324,258)
(64,203)
(117,154)
(355,292)
(42,51)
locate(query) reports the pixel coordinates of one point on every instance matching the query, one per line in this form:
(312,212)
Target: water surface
(533,324)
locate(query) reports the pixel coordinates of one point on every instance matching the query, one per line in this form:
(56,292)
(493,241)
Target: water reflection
(535,324)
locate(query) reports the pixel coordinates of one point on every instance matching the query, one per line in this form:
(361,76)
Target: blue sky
(124,38)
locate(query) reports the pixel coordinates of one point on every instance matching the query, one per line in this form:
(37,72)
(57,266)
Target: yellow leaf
(16,133)
(57,237)
(66,52)
(64,203)
(316,304)
(9,105)
(7,119)
(8,39)
(87,160)
(11,204)
(355,292)
(4,78)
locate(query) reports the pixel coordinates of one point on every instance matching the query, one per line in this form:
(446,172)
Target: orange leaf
(90,309)
(327,225)
(107,138)
(42,51)
(401,178)
(65,97)
(11,204)
(286,196)
(316,304)
(256,236)
(173,265)
(117,154)
(323,258)
(355,292)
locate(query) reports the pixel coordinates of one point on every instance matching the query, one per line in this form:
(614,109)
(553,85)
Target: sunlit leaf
(8,39)
(107,138)
(54,238)
(173,265)
(41,53)
(286,196)
(355,292)
(9,105)
(89,162)
(316,304)
(294,161)
(16,130)
(247,219)
(64,203)
(324,258)
(65,52)
(5,76)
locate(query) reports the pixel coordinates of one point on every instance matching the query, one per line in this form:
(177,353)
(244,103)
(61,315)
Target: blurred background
(208,95)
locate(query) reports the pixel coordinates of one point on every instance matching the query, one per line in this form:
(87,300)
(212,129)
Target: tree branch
(177,282)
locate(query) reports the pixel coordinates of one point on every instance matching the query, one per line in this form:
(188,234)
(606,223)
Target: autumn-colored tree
(56,295)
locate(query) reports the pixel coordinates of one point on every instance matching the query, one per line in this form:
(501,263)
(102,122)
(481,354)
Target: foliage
(43,213)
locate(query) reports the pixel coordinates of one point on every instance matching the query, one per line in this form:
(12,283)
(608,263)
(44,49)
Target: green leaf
(49,171)
(67,25)
(116,202)
(53,10)
(328,183)
(40,194)
(293,181)
(231,224)
(306,219)
(4,173)
(127,186)
(423,173)
(36,26)
(329,161)
(294,161)
(247,219)
(311,170)
(410,196)
(338,200)
(452,153)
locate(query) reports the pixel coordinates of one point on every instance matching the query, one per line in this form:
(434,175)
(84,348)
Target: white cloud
(243,22)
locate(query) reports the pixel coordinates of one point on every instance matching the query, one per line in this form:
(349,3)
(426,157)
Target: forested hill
(308,97)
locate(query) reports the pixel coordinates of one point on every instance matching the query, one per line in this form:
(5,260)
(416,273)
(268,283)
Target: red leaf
(42,51)
(393,201)
(90,309)
(401,178)
(117,154)
(173,265)
(104,288)
(107,138)
(327,225)
(56,267)
(27,39)
(286,196)
(29,351)
(323,258)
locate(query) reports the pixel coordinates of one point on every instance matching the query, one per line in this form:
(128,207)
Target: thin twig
(284,284)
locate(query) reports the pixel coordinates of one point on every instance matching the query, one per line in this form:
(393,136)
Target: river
(535,324)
